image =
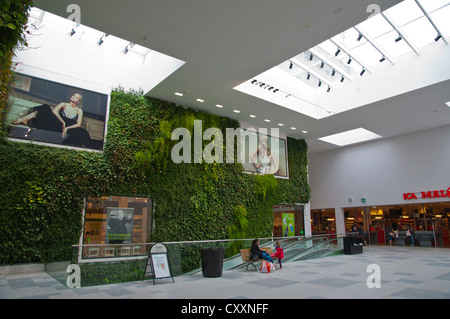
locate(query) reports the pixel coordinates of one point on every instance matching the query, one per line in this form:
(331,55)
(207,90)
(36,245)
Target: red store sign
(428,194)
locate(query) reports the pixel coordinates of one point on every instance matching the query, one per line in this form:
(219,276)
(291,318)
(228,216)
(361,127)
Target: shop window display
(115,226)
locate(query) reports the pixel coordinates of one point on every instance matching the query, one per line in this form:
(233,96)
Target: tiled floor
(405,273)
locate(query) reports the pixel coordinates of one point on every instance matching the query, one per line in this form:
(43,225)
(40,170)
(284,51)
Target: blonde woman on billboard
(66,118)
(262,158)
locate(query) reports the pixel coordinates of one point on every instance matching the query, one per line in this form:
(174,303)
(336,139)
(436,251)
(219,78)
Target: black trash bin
(212,262)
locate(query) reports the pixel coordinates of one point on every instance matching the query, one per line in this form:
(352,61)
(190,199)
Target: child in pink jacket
(279,253)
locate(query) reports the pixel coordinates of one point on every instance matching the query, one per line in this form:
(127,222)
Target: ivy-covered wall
(43,187)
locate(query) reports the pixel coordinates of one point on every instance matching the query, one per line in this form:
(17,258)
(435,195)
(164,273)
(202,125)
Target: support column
(340,220)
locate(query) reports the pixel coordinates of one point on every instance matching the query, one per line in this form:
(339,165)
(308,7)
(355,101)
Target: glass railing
(106,264)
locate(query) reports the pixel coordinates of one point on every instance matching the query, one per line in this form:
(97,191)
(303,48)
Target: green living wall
(43,187)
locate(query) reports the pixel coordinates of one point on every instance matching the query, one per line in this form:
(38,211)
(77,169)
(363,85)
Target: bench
(245,255)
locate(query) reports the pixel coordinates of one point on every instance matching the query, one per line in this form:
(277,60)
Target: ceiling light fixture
(359,37)
(333,73)
(382,59)
(252,116)
(290,65)
(349,60)
(342,79)
(438,38)
(178,93)
(71,33)
(268,121)
(362,72)
(308,76)
(399,38)
(320,83)
(337,52)
(236,111)
(219,106)
(200,100)
(322,65)
(311,57)
(329,89)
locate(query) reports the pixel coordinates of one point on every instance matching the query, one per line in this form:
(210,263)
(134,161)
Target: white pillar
(340,220)
(307,219)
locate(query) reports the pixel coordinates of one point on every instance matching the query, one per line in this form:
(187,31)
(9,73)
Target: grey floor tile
(411,293)
(333,282)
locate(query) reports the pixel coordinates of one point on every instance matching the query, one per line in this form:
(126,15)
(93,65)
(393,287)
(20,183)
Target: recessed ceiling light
(280,124)
(236,111)
(305,132)
(267,120)
(219,106)
(350,137)
(178,93)
(448,103)
(293,128)
(252,116)
(200,100)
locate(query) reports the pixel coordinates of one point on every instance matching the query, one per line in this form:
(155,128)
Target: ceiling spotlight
(349,60)
(333,73)
(399,38)
(438,38)
(322,65)
(311,57)
(125,51)
(359,37)
(362,72)
(254,81)
(342,79)
(382,59)
(275,91)
(290,65)
(308,76)
(337,52)
(100,42)
(320,83)
(329,89)
(71,33)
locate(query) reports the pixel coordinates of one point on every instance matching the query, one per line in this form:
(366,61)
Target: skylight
(59,50)
(343,72)
(350,137)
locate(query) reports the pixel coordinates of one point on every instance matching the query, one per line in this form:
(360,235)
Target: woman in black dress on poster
(65,118)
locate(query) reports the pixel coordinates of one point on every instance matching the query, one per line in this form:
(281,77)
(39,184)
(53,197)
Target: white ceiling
(225,43)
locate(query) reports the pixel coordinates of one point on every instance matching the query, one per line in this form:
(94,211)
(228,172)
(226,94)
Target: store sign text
(429,194)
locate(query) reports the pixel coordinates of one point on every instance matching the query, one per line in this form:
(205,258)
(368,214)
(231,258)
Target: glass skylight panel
(368,54)
(442,20)
(393,48)
(350,39)
(375,26)
(405,12)
(432,5)
(421,32)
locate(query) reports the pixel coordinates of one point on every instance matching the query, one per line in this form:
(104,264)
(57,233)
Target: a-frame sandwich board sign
(158,266)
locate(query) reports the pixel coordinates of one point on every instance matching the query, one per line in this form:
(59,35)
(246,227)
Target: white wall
(381,171)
